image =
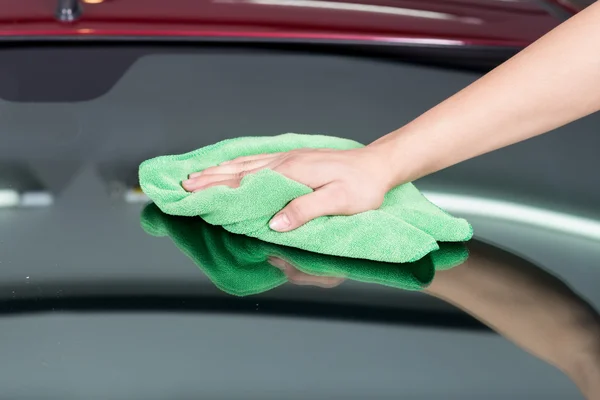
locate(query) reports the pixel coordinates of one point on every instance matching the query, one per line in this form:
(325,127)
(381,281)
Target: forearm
(528,306)
(554,81)
(519,300)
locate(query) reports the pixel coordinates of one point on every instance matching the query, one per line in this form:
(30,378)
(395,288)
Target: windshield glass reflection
(241,265)
(514,297)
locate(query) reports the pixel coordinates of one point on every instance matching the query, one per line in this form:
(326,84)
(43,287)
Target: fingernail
(280,222)
(195,174)
(186,182)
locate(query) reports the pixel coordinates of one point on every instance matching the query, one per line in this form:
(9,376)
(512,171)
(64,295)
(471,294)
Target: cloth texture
(238,264)
(405,228)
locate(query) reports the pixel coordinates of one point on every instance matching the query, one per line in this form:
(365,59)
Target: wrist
(401,157)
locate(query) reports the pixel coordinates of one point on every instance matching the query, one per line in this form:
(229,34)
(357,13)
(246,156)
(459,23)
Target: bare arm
(530,307)
(554,81)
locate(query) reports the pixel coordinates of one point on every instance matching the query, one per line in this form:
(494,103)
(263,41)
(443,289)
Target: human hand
(345,182)
(298,277)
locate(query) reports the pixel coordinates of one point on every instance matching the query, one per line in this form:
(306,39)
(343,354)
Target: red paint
(482,22)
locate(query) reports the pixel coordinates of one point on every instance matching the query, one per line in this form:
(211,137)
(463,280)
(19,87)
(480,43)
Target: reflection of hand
(345,182)
(297,277)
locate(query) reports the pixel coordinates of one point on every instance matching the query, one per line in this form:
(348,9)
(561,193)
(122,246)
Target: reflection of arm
(528,306)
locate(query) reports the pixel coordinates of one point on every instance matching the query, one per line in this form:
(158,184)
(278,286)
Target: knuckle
(283,168)
(296,210)
(341,197)
(244,172)
(202,180)
(292,156)
(294,159)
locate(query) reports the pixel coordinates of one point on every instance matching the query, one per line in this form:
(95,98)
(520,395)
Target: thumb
(306,208)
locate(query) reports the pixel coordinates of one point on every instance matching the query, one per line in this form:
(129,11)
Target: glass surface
(97,302)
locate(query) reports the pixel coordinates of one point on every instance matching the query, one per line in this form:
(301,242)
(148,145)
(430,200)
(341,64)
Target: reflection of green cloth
(405,228)
(238,264)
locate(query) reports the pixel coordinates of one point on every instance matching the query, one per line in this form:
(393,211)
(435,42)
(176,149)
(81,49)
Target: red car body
(438,22)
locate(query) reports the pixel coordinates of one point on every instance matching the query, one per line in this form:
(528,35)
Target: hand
(345,182)
(298,277)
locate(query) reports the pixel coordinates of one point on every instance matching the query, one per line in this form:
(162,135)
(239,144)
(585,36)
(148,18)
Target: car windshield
(104,296)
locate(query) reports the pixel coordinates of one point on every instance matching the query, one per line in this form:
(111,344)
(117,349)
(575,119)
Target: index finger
(251,158)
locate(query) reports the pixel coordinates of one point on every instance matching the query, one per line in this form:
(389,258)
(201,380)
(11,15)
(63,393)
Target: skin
(522,302)
(552,82)
(528,306)
(297,277)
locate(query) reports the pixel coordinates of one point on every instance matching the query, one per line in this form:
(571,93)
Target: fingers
(298,277)
(236,168)
(232,183)
(279,263)
(230,175)
(206,181)
(324,201)
(250,158)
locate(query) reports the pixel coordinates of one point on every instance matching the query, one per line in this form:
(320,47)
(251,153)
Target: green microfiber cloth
(405,228)
(239,265)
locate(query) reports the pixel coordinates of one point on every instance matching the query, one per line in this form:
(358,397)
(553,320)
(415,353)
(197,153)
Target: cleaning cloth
(405,228)
(239,265)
